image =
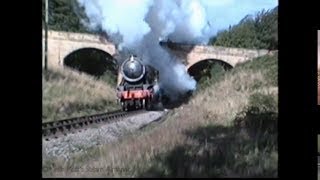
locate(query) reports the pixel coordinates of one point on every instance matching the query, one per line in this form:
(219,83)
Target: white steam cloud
(142,23)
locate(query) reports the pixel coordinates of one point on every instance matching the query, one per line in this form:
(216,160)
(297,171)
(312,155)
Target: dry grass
(67,93)
(217,134)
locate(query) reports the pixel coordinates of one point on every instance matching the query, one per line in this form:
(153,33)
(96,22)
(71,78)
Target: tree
(257,32)
(66,16)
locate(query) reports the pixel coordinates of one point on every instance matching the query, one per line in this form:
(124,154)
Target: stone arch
(195,69)
(61,44)
(91,60)
(75,46)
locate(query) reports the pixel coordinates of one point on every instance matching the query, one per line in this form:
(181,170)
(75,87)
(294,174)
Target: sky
(143,23)
(222,13)
(128,16)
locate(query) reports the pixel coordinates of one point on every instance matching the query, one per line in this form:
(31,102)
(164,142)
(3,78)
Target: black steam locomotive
(136,84)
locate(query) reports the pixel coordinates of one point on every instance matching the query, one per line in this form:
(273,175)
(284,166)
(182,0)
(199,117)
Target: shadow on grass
(248,148)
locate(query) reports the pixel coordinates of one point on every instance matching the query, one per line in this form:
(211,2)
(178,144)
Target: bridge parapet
(189,48)
(229,51)
(71,36)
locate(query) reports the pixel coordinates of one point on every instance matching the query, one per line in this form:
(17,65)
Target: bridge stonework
(192,54)
(61,44)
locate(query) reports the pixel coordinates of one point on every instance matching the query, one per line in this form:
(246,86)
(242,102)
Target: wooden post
(46,39)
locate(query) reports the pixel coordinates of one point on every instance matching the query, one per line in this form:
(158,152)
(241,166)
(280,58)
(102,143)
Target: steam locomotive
(136,84)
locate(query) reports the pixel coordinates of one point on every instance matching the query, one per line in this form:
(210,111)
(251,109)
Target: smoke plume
(142,23)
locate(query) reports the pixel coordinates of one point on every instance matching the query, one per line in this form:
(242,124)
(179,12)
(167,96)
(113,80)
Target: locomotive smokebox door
(132,69)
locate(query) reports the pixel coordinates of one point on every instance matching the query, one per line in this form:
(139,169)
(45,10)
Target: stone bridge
(193,54)
(61,44)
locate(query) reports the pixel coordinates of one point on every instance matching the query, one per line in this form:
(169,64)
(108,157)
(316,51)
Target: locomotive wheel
(148,104)
(143,104)
(136,104)
(130,105)
(126,106)
(123,106)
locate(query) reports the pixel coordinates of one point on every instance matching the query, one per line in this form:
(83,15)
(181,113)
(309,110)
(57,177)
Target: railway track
(58,128)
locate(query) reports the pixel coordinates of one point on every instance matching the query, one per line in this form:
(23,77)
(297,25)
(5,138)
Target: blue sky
(182,19)
(222,13)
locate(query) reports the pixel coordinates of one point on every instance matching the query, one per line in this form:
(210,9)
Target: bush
(254,32)
(211,75)
(260,120)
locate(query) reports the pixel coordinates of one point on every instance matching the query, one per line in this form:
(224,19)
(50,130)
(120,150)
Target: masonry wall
(191,55)
(61,44)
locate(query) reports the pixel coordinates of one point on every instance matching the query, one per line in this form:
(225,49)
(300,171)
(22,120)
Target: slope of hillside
(67,94)
(227,130)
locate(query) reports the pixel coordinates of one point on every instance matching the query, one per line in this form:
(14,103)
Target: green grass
(109,78)
(69,94)
(247,148)
(268,65)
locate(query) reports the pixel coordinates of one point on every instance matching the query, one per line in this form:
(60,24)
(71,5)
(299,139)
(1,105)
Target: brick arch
(67,51)
(194,61)
(61,44)
(201,64)
(212,60)
(66,54)
(100,65)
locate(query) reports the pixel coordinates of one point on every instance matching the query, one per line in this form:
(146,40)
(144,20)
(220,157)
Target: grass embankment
(68,94)
(228,129)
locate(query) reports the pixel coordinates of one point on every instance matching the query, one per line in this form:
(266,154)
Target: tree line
(254,32)
(66,15)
